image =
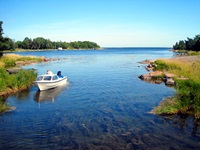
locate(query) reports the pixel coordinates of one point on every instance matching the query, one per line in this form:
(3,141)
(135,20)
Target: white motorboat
(49,81)
(49,95)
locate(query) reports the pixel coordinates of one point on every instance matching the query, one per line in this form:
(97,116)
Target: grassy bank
(9,60)
(12,83)
(187,98)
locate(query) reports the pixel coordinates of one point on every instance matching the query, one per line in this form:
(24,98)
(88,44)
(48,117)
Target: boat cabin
(47,77)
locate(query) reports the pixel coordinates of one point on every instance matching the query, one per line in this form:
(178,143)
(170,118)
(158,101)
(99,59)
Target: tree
(1,39)
(27,43)
(19,44)
(1,31)
(189,44)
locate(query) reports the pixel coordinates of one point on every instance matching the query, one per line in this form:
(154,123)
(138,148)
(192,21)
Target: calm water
(103,106)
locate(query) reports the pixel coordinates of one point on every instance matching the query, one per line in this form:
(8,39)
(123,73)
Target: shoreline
(184,71)
(40,50)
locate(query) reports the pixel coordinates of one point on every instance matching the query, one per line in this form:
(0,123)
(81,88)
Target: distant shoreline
(40,50)
(102,48)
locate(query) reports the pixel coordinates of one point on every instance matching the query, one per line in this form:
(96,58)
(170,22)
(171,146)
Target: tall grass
(193,53)
(15,82)
(187,91)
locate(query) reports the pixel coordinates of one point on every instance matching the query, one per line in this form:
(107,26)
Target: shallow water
(103,106)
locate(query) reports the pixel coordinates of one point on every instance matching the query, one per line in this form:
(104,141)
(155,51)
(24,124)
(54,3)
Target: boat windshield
(47,78)
(39,78)
(55,77)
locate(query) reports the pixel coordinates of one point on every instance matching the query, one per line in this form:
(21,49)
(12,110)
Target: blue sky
(109,23)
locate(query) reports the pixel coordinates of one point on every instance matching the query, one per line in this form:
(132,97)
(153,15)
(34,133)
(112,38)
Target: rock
(156,73)
(13,70)
(145,77)
(20,63)
(45,59)
(146,61)
(148,68)
(170,81)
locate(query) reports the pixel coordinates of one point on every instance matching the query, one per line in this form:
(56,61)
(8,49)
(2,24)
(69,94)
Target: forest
(41,43)
(191,44)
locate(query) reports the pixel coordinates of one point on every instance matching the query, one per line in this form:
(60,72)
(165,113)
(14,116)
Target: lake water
(103,106)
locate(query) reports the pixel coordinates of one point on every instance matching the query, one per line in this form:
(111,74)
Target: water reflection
(184,122)
(49,95)
(23,95)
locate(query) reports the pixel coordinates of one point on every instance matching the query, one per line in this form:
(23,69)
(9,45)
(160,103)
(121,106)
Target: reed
(187,97)
(14,82)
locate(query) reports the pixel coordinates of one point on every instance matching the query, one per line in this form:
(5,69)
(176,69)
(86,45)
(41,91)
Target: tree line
(191,44)
(42,43)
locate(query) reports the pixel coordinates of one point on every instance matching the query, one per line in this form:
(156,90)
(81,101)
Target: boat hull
(45,85)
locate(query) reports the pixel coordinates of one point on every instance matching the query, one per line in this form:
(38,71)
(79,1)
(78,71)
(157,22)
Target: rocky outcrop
(152,77)
(156,76)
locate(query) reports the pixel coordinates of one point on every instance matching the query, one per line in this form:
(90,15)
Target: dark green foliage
(5,43)
(189,44)
(41,43)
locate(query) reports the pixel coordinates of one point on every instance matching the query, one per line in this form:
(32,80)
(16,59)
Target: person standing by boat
(49,72)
